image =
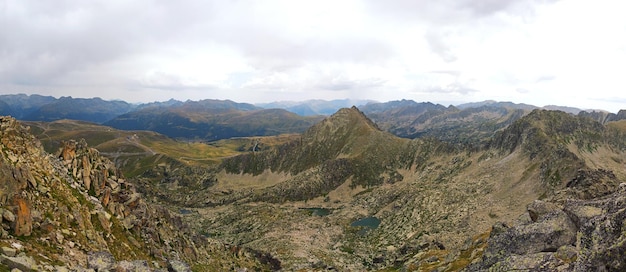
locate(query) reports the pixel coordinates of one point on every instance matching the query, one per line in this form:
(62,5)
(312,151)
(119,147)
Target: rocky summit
(544,191)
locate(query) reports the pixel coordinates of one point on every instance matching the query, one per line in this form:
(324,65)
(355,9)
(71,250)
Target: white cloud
(540,52)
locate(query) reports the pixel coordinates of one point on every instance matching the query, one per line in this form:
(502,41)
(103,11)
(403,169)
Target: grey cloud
(438,46)
(452,12)
(166,81)
(448,89)
(343,84)
(41,41)
(269,50)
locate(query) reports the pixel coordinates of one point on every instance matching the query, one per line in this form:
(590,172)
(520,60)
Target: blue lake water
(185,211)
(368,222)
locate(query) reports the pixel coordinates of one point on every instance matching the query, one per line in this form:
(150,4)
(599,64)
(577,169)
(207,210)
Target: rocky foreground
(74,211)
(565,234)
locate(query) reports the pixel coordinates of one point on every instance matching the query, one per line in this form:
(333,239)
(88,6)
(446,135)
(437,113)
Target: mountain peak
(351,117)
(348,131)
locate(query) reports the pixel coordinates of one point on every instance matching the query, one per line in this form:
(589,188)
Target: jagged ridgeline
(560,144)
(75,209)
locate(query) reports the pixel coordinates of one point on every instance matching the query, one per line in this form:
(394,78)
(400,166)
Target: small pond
(317,211)
(368,223)
(185,211)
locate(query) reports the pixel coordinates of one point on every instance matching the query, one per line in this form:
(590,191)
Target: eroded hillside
(74,210)
(425,203)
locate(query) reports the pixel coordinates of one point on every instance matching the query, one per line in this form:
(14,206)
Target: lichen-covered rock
(132,266)
(538,209)
(598,227)
(178,266)
(553,231)
(101,261)
(602,238)
(581,214)
(21,262)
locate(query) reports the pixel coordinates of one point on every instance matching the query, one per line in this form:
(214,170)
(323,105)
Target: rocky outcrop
(580,235)
(62,208)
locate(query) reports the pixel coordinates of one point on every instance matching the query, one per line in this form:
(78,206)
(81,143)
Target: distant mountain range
(213,120)
(219,119)
(315,107)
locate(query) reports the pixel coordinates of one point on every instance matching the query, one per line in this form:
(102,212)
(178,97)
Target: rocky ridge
(74,210)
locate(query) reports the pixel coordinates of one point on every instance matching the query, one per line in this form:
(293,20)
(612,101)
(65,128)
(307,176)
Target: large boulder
(555,229)
(586,235)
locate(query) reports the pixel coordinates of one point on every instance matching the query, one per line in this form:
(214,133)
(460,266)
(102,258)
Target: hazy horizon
(295,102)
(448,52)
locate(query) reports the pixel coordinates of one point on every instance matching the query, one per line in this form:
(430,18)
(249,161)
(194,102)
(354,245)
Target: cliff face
(75,209)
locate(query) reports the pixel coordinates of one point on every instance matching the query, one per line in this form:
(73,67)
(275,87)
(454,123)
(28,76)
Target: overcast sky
(568,52)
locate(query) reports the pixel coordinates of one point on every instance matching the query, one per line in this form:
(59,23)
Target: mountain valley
(400,186)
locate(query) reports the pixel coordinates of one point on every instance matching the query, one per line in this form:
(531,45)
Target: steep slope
(75,209)
(212,120)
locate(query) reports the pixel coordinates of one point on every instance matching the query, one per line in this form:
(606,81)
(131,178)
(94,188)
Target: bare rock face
(547,235)
(585,235)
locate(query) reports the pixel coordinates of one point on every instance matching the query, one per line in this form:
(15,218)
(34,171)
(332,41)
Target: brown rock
(86,173)
(69,151)
(106,197)
(24,223)
(104,221)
